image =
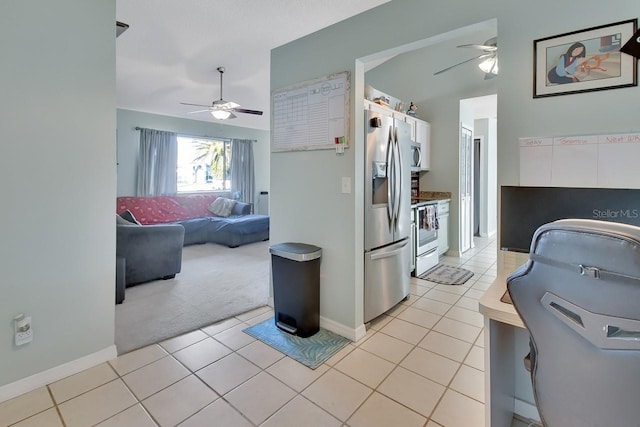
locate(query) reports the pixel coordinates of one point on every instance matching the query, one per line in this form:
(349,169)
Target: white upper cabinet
(420,130)
(423,136)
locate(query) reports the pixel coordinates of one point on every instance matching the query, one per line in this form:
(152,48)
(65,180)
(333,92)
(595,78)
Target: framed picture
(584,61)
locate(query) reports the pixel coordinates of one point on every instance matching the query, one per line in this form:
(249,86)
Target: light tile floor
(420,364)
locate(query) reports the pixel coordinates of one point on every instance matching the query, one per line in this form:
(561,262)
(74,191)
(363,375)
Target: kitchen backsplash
(434,195)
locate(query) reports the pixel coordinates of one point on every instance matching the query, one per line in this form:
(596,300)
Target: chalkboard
(609,161)
(524,209)
(312,115)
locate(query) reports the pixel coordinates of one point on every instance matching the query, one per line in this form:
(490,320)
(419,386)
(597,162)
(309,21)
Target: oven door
(426,228)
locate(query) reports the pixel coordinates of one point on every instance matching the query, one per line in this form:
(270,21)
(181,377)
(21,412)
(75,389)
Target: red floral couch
(164,209)
(201,226)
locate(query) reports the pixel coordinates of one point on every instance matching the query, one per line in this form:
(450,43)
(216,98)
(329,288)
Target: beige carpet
(216,282)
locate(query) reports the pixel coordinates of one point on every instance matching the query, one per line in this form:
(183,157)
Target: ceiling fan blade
(196,105)
(244,110)
(463,62)
(199,111)
(480,46)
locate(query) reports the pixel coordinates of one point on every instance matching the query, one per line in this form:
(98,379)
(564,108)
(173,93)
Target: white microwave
(416,156)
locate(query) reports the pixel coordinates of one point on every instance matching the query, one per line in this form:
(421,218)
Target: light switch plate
(346,185)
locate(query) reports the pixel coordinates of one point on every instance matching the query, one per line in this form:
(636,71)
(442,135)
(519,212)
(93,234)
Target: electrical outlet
(22,329)
(24,337)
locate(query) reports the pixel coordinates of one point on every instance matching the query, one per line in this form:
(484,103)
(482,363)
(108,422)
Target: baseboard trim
(340,329)
(56,373)
(526,410)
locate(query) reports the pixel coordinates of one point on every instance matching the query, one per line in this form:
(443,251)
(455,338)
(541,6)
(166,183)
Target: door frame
(468,206)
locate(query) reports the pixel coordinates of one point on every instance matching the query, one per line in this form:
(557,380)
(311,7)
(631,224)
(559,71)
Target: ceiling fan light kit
(221,109)
(489,65)
(221,114)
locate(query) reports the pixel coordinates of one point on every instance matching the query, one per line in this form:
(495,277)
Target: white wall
(316,212)
(129,141)
(58,182)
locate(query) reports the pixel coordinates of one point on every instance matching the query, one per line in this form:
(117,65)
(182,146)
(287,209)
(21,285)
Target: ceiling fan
(222,109)
(489,63)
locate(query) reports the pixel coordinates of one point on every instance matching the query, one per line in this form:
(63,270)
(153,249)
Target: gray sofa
(150,252)
(239,228)
(206,218)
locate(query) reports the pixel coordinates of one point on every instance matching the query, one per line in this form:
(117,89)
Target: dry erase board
(311,115)
(603,161)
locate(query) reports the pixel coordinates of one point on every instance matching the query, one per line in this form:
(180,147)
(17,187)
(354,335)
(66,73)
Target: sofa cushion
(222,206)
(245,224)
(195,230)
(241,209)
(239,230)
(196,204)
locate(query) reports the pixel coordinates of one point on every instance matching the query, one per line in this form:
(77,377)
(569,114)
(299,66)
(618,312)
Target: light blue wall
(58,181)
(318,213)
(129,141)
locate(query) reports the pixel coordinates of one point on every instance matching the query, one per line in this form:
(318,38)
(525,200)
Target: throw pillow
(222,206)
(129,217)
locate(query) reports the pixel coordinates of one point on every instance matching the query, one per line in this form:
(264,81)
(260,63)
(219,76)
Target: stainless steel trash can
(296,287)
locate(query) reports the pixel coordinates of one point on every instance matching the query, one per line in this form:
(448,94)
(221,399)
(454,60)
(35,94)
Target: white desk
(506,341)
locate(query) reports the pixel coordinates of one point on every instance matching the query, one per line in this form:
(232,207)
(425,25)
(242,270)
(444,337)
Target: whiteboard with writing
(602,161)
(311,115)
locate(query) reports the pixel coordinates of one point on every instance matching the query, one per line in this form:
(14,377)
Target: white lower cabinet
(443,231)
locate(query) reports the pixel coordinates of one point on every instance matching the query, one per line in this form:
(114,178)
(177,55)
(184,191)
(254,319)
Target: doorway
(478,163)
(477,146)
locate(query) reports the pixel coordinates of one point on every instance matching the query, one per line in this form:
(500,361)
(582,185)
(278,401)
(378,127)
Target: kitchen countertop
(417,203)
(424,197)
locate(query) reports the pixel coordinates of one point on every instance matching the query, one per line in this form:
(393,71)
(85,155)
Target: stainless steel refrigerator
(387,216)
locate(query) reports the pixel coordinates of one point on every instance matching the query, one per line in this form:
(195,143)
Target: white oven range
(426,238)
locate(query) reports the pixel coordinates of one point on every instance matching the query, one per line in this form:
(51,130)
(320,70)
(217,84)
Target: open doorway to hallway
(478,169)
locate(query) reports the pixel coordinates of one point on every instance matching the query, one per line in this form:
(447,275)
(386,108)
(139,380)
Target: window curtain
(157,163)
(242,174)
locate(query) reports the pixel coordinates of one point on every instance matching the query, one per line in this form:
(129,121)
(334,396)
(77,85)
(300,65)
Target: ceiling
(172,49)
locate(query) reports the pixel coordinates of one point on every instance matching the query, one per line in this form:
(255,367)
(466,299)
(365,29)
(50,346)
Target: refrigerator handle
(390,172)
(394,250)
(399,177)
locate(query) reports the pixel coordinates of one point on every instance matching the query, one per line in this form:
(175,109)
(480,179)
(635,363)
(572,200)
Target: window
(203,164)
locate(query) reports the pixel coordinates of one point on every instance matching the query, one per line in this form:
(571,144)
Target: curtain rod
(195,136)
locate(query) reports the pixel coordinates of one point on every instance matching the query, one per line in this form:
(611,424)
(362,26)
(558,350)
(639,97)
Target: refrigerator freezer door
(378,191)
(386,278)
(402,135)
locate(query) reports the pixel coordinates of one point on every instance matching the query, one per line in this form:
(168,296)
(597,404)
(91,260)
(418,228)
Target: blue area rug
(312,351)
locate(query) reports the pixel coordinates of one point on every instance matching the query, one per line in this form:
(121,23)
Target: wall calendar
(312,115)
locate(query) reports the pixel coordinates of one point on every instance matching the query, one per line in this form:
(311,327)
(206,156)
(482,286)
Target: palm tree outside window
(203,164)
